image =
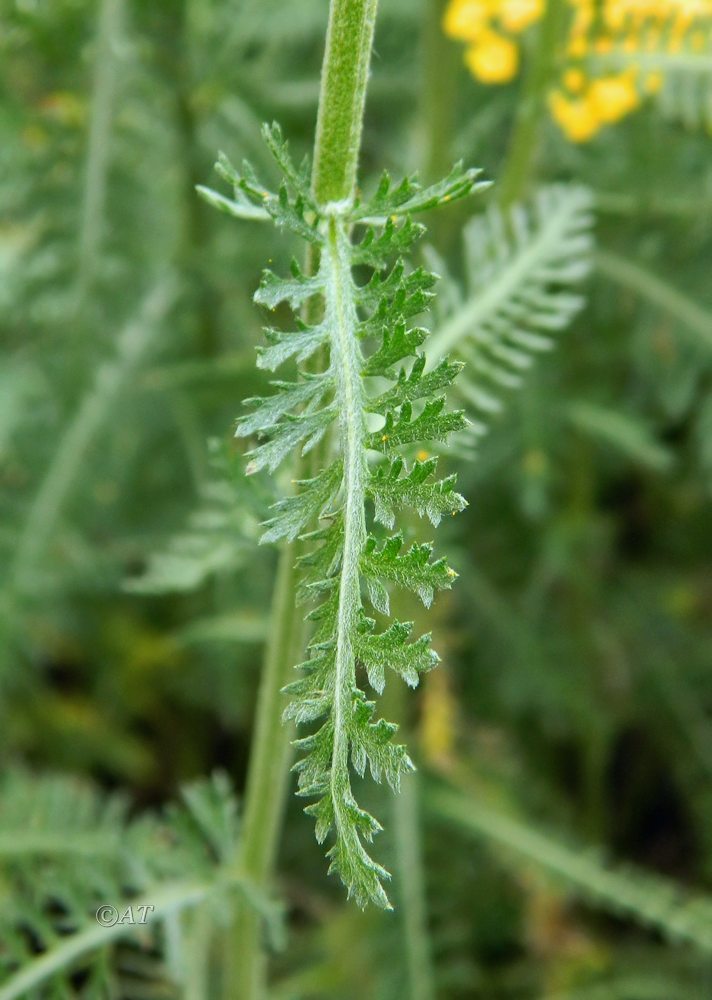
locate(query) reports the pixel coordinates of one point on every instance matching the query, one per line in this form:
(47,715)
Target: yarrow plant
(364,409)
(612,54)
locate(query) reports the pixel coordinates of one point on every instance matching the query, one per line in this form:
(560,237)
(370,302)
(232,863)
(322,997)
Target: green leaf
(391,649)
(411,569)
(294,290)
(434,423)
(408,197)
(293,514)
(398,343)
(298,344)
(274,407)
(390,491)
(288,434)
(415,385)
(328,513)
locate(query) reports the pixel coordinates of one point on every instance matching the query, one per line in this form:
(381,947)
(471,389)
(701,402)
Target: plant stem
(441,68)
(409,862)
(265,792)
(342,98)
(338,137)
(438,92)
(99,141)
(406,811)
(532,105)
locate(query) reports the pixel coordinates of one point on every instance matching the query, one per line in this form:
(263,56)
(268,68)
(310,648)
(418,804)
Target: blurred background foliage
(565,743)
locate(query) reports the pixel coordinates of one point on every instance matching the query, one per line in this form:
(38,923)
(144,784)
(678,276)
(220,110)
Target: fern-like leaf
(645,897)
(523,267)
(68,852)
(347,400)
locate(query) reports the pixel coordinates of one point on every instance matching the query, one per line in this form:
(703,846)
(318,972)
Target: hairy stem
(341,107)
(342,98)
(531,109)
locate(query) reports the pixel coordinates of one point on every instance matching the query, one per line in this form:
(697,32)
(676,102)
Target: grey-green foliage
(686,95)
(112,377)
(645,897)
(66,850)
(360,408)
(216,539)
(523,269)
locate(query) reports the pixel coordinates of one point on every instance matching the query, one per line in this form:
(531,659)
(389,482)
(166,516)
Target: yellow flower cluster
(590,92)
(486,25)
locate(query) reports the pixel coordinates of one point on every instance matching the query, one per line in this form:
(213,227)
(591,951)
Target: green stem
(346,361)
(411,899)
(442,68)
(338,136)
(411,888)
(531,109)
(342,98)
(438,92)
(98,148)
(267,775)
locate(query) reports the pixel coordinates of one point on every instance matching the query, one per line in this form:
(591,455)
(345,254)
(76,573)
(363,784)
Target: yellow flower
(578,46)
(653,83)
(613,97)
(466,19)
(493,59)
(584,101)
(604,44)
(516,15)
(574,80)
(576,116)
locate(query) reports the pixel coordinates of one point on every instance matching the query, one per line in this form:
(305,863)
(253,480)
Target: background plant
(572,696)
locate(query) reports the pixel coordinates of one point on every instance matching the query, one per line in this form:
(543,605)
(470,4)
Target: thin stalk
(411,887)
(438,101)
(265,792)
(438,92)
(406,810)
(531,109)
(338,136)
